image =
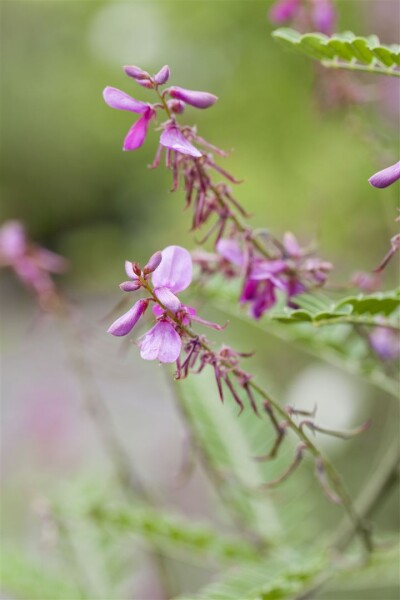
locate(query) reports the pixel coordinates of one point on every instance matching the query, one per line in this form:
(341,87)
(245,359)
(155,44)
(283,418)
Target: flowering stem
(235,218)
(333,476)
(335,64)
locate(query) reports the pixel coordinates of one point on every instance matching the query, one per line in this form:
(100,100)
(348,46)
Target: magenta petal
(137,133)
(121,101)
(192,97)
(175,270)
(162,342)
(386,177)
(324,16)
(173,139)
(127,322)
(231,251)
(162,76)
(168,299)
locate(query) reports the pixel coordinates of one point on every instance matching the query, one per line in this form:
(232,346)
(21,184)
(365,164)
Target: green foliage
(278,578)
(318,310)
(25,577)
(174,535)
(229,443)
(336,342)
(344,50)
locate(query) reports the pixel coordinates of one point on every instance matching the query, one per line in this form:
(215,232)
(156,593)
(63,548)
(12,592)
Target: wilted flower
(386,177)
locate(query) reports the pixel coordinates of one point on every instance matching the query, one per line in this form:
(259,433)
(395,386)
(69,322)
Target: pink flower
(386,177)
(385,342)
(171,273)
(121,101)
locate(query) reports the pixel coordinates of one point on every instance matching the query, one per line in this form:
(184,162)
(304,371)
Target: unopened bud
(136,72)
(153,263)
(192,97)
(176,106)
(163,75)
(129,286)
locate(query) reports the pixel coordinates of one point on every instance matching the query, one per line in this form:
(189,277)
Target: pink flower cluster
(32,264)
(290,270)
(264,270)
(166,274)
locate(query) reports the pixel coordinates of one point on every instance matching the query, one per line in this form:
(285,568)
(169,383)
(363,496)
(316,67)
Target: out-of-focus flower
(305,14)
(368,282)
(290,272)
(32,264)
(386,177)
(385,342)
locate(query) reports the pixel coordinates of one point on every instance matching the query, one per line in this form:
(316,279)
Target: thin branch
(335,64)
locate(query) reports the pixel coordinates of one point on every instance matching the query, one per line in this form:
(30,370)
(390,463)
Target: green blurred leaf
(174,535)
(344,50)
(229,441)
(25,577)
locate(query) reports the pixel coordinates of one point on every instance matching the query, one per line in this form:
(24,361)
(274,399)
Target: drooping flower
(121,101)
(386,177)
(192,97)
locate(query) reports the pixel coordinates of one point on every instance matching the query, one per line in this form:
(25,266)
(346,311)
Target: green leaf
(230,441)
(344,50)
(31,579)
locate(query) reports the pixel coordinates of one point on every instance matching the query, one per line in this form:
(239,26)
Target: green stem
(355,321)
(362,68)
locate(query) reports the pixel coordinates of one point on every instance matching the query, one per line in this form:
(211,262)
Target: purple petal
(163,75)
(153,262)
(175,270)
(192,97)
(172,138)
(136,72)
(231,251)
(129,286)
(168,299)
(137,133)
(127,322)
(121,101)
(162,342)
(386,177)
(265,269)
(284,10)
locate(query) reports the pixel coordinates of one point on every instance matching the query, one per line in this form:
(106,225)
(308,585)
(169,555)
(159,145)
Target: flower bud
(163,75)
(129,286)
(176,106)
(153,263)
(136,72)
(192,97)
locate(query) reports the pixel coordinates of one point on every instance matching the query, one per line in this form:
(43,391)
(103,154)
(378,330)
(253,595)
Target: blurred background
(63,173)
